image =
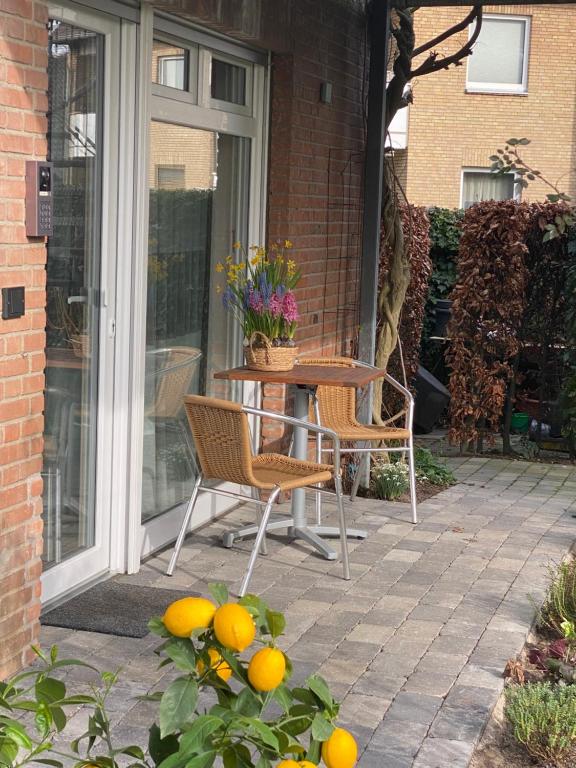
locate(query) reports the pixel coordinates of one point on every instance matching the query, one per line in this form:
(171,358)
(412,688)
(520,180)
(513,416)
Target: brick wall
(315,174)
(23,83)
(450,129)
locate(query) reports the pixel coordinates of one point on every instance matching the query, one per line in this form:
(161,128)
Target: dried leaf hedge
(487,310)
(416,227)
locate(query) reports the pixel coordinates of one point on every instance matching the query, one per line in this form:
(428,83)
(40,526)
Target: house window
(169,65)
(170,177)
(478,185)
(228,82)
(499,60)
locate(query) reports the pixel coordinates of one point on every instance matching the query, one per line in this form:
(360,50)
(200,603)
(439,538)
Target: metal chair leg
(184,528)
(412,475)
(356,484)
(342,526)
(258,541)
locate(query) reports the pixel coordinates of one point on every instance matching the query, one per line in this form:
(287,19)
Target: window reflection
(169,65)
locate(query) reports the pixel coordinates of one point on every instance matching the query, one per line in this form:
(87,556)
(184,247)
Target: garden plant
(229,703)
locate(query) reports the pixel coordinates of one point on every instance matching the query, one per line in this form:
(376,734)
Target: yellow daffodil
(254,260)
(253,248)
(218,289)
(287,244)
(291,267)
(236,245)
(228,259)
(219,267)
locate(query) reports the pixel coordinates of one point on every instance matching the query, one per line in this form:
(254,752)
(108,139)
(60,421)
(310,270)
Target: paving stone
(389,740)
(430,683)
(439,753)
(414,708)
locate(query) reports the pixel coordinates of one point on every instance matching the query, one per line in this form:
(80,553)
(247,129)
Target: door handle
(77,299)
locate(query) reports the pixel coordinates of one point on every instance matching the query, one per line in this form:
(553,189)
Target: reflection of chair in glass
(335,408)
(224,446)
(169,373)
(55,471)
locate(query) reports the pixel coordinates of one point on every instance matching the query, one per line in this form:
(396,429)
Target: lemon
(266,669)
(184,616)
(234,627)
(288,764)
(217,663)
(307,764)
(340,750)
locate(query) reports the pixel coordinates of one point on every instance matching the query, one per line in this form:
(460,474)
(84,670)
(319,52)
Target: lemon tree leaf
(276,622)
(156,626)
(282,696)
(50,690)
(202,761)
(264,732)
(314,750)
(181,651)
(248,703)
(195,737)
(160,748)
(319,686)
(219,592)
(177,705)
(321,728)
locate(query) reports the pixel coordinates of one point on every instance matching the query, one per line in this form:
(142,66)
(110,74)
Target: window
(170,177)
(169,65)
(478,185)
(228,82)
(499,61)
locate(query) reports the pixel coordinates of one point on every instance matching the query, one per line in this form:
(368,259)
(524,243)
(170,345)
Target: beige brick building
(456,122)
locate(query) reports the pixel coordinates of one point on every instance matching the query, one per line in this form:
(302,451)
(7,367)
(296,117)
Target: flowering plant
(260,292)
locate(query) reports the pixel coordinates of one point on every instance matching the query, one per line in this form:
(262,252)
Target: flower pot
(267,357)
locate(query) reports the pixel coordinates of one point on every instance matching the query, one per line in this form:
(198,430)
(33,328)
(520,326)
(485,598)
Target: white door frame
(84,567)
(145,538)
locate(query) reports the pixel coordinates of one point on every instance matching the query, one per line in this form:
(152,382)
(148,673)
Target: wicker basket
(268,357)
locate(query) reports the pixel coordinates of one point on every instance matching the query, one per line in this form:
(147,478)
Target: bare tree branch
(446,34)
(433,64)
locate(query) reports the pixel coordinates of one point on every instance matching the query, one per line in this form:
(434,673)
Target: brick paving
(414,645)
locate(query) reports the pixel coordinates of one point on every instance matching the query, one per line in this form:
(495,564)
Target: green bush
(430,469)
(559,606)
(543,719)
(390,480)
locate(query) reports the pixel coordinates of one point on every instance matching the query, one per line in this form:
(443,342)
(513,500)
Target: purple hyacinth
(290,308)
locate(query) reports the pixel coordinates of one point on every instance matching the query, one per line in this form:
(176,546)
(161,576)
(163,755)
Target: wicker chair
(223,443)
(335,408)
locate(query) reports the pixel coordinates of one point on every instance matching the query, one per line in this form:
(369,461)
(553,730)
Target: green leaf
(248,703)
(48,761)
(264,732)
(276,623)
(15,731)
(194,738)
(314,750)
(321,728)
(59,717)
(181,651)
(8,751)
(263,762)
(156,626)
(319,686)
(160,748)
(524,142)
(219,592)
(305,696)
(202,761)
(177,705)
(282,696)
(50,690)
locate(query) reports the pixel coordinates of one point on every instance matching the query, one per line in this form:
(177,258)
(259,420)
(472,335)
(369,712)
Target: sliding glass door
(199,184)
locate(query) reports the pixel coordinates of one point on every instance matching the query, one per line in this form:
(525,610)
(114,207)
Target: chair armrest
(259,412)
(393,383)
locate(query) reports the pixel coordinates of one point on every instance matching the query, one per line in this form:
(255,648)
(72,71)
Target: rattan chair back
(222,437)
(337,404)
(173,381)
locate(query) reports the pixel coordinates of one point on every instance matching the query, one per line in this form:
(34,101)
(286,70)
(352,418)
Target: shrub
(390,480)
(543,719)
(559,606)
(430,469)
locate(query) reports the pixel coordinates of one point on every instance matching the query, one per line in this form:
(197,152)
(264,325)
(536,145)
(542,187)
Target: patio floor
(414,645)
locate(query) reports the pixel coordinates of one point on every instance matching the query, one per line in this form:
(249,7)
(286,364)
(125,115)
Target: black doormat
(113,608)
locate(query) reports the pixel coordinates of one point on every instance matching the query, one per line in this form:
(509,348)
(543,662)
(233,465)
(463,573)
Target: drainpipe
(378,28)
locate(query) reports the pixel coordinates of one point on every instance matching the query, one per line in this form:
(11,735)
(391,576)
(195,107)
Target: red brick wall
(23,104)
(315,174)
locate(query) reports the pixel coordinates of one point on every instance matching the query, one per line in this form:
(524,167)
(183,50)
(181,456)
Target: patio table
(306,379)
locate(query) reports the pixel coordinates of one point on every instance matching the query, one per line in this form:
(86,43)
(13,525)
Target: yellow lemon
(340,750)
(184,616)
(288,764)
(217,663)
(307,764)
(266,669)
(234,627)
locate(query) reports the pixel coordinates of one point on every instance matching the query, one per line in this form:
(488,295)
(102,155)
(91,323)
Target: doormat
(113,608)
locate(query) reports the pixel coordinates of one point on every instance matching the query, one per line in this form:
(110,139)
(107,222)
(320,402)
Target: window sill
(488,92)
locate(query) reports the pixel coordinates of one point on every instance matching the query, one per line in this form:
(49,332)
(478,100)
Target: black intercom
(38,198)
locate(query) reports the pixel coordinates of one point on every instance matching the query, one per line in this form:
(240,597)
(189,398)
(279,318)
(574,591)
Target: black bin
(432,397)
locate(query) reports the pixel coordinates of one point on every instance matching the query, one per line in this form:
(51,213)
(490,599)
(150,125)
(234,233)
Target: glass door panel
(75,72)
(199,186)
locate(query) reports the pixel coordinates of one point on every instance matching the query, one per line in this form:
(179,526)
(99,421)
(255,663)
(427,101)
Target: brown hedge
(487,310)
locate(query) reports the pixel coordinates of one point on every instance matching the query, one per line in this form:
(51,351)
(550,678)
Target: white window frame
(504,88)
(517,196)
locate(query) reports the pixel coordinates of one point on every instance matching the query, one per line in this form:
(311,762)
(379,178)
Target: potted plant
(259,292)
(70,319)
